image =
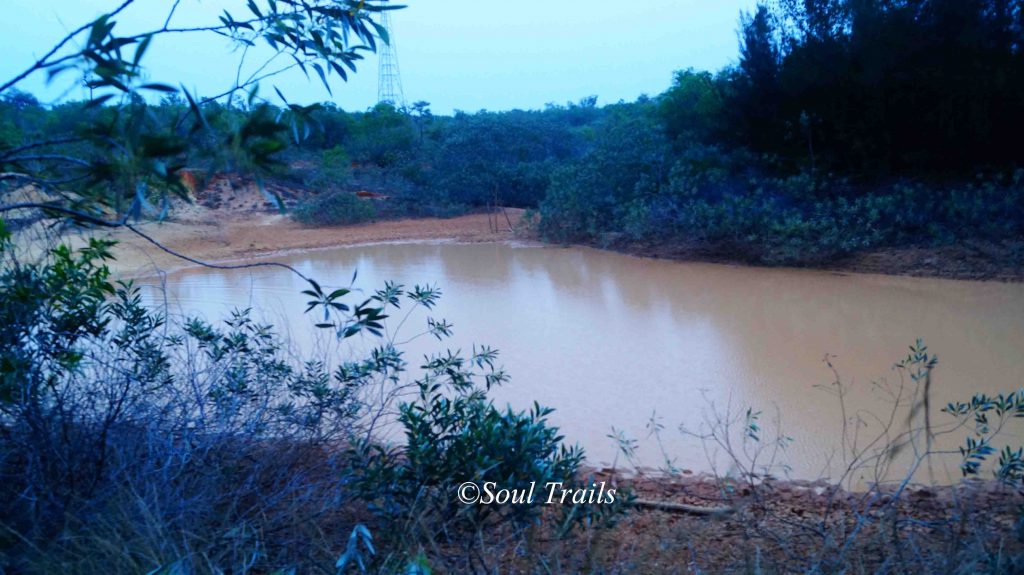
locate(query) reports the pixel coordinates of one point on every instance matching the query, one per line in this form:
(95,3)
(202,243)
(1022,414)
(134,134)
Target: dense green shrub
(505,158)
(382,137)
(332,174)
(628,160)
(691,109)
(714,200)
(454,434)
(335,208)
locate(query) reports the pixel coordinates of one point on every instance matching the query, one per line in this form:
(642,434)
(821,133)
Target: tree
(691,109)
(129,154)
(883,87)
(421,111)
(757,91)
(191,447)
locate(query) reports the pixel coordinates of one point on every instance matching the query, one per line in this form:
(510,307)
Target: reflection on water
(609,340)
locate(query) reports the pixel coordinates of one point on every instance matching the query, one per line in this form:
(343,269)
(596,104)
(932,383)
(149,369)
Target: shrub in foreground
(133,443)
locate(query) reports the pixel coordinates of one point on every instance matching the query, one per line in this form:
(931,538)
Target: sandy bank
(237,237)
(219,235)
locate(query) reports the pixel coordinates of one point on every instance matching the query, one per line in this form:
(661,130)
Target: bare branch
(48,158)
(213,266)
(123,223)
(170,15)
(42,62)
(54,142)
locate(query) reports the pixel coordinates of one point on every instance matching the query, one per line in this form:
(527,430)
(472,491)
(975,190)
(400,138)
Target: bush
(627,163)
(333,173)
(454,434)
(134,443)
(129,443)
(504,157)
(716,201)
(335,208)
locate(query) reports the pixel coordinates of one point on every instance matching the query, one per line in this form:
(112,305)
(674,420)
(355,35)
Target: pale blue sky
(457,54)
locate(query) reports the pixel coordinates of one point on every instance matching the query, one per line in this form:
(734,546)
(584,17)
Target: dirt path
(257,235)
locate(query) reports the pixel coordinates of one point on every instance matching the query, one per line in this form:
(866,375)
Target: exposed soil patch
(238,236)
(791,527)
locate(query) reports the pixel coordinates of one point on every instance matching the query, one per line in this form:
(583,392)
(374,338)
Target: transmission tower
(389,79)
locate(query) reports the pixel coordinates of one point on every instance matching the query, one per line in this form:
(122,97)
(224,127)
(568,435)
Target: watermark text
(550,493)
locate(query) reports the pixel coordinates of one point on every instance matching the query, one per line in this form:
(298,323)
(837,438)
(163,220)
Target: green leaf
(141,49)
(98,101)
(323,77)
(159,88)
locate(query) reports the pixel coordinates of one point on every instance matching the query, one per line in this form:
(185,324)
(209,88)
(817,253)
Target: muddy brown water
(613,342)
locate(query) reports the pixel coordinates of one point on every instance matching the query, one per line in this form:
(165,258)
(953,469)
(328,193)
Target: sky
(457,54)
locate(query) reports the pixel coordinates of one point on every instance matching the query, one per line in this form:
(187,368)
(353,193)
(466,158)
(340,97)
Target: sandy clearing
(260,235)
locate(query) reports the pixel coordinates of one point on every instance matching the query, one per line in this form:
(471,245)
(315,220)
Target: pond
(614,342)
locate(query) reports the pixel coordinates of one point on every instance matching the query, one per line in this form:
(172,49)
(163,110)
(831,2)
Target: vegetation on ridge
(132,441)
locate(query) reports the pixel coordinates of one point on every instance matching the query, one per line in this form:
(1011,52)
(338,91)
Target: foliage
(883,86)
(182,435)
(713,200)
(628,161)
(60,304)
(846,126)
(132,442)
(333,173)
(765,161)
(127,428)
(692,108)
(335,208)
(135,442)
(123,148)
(382,137)
(503,158)
(454,434)
(988,416)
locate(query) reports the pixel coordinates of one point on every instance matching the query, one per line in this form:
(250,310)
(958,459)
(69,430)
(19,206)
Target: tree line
(844,125)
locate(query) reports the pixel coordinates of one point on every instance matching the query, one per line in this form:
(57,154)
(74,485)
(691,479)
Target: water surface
(609,340)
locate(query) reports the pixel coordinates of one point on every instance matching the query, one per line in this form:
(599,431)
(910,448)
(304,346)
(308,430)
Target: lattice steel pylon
(389,78)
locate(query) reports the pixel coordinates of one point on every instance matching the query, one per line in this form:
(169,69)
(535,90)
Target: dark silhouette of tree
(756,89)
(883,87)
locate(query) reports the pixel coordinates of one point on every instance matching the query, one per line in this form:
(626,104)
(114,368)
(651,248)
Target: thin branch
(42,62)
(48,158)
(241,63)
(54,142)
(91,219)
(38,180)
(78,215)
(170,15)
(249,82)
(214,266)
